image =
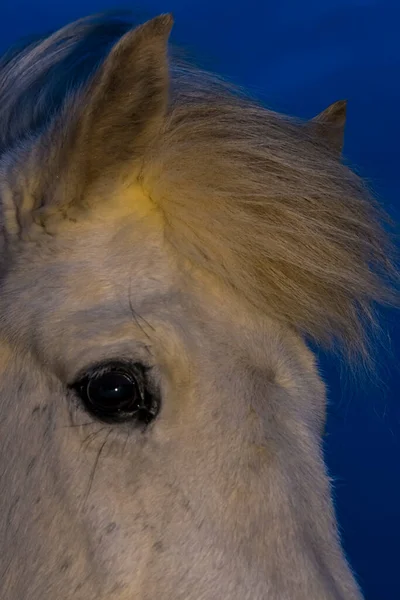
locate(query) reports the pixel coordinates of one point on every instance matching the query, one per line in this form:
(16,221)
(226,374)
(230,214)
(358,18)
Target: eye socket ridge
(116,391)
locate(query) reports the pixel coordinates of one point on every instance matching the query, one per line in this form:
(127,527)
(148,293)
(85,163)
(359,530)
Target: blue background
(299,56)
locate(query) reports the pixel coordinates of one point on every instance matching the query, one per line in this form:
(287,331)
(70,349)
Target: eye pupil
(116,392)
(113,391)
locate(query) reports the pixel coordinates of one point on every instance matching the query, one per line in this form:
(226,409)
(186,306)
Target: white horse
(168,248)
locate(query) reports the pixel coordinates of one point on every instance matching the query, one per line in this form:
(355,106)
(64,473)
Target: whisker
(96,462)
(128,433)
(91,437)
(136,316)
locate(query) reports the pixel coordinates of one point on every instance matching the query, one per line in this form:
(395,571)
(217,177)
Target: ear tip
(335,114)
(339,107)
(164,22)
(157,28)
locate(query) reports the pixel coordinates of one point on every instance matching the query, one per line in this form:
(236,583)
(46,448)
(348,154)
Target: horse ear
(123,106)
(330,124)
(107,125)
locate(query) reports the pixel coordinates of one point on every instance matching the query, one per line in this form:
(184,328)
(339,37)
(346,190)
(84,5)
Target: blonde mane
(261,202)
(257,199)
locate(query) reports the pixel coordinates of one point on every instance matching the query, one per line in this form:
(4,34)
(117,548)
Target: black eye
(116,392)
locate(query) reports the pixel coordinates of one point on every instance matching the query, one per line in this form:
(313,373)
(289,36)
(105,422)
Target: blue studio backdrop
(298,57)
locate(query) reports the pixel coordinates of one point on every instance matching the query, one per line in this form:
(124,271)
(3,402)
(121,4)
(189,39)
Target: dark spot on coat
(110,527)
(12,510)
(31,464)
(158,547)
(65,565)
(39,408)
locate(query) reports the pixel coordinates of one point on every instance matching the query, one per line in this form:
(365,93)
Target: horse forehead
(118,247)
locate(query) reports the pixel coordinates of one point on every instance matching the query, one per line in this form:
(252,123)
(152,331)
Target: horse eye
(116,392)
